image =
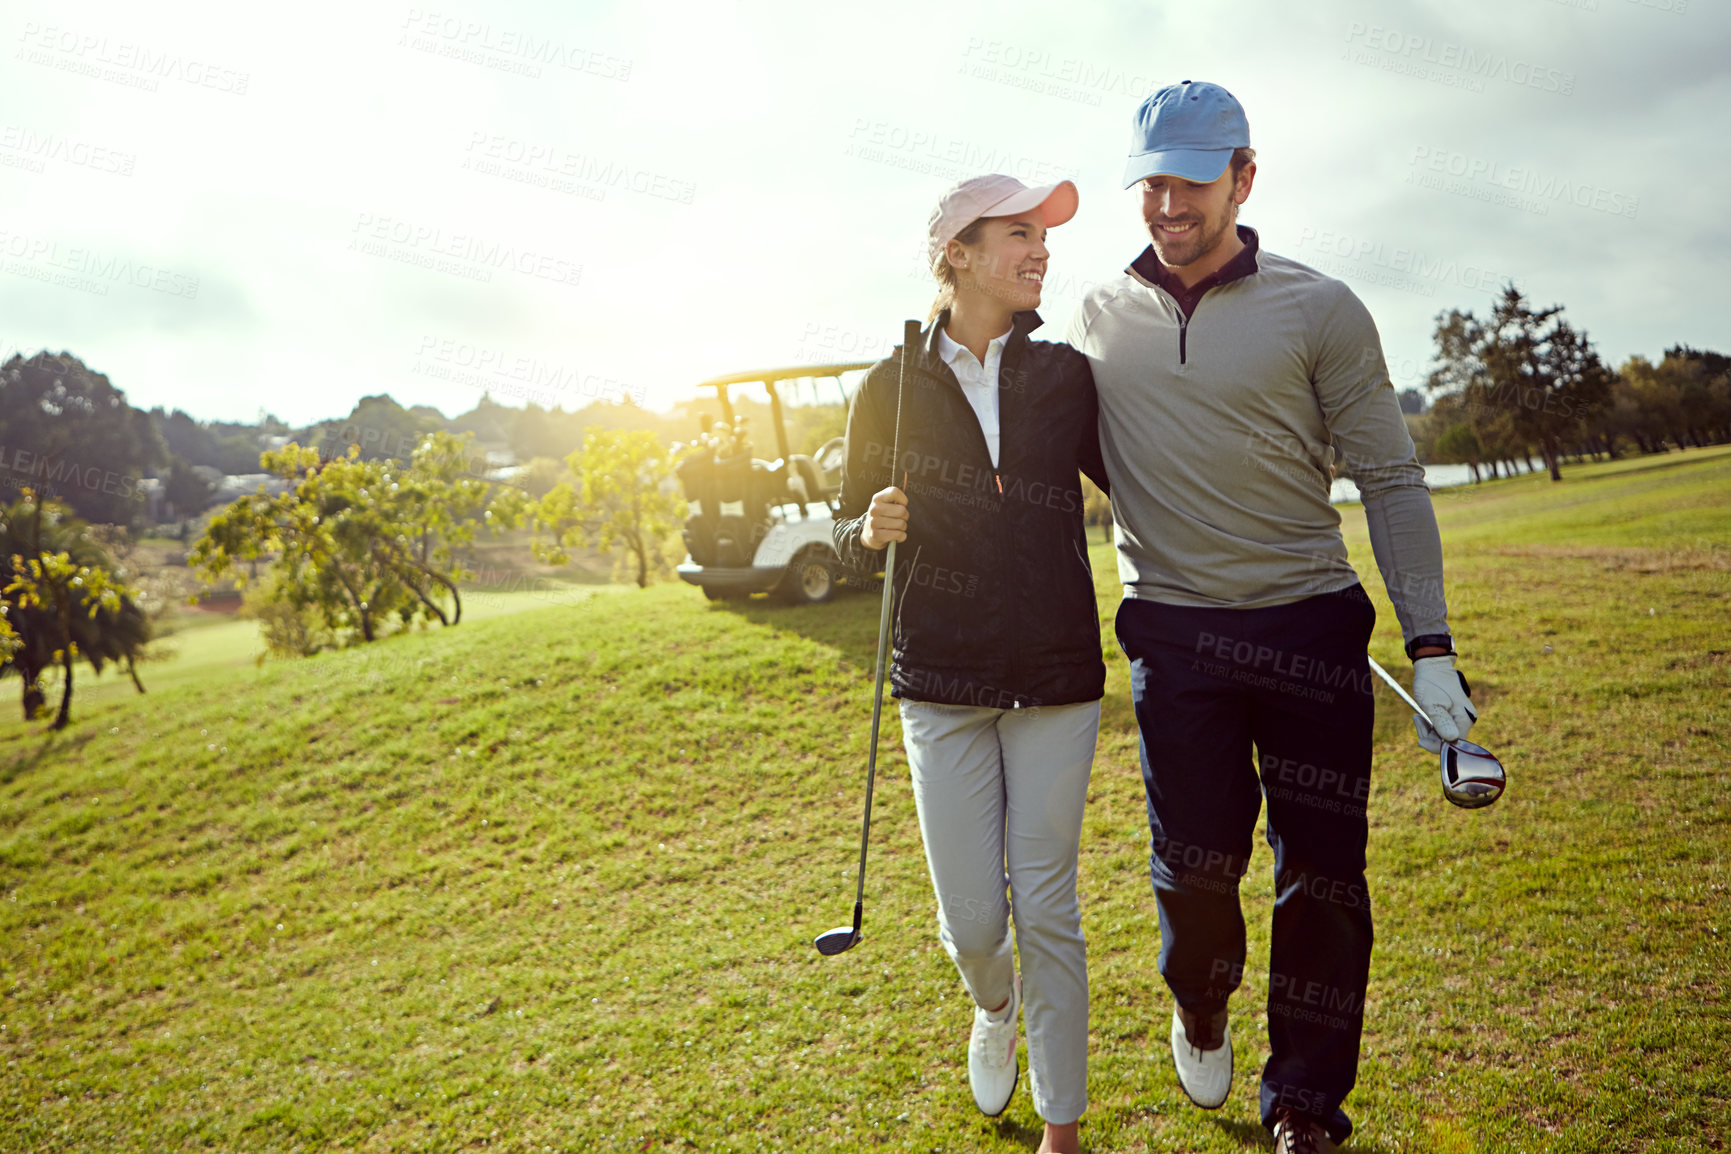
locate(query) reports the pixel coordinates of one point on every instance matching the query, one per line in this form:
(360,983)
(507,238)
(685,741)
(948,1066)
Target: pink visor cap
(995,195)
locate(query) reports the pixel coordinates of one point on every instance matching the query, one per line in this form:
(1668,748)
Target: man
(1230,381)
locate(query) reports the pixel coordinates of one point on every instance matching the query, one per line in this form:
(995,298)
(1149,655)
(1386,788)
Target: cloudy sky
(228,212)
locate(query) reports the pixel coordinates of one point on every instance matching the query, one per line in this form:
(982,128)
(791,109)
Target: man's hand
(886,520)
(1442,690)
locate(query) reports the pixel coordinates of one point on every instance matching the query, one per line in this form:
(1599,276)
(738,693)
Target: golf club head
(836,941)
(1472,777)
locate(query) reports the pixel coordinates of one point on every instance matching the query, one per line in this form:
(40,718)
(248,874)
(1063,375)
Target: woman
(996,658)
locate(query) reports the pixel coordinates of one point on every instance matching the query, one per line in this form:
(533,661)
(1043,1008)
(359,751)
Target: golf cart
(759,526)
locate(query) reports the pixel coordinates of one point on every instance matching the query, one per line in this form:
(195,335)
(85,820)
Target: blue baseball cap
(1187,130)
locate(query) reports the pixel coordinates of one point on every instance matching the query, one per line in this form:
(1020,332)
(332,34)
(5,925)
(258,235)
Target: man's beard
(1197,243)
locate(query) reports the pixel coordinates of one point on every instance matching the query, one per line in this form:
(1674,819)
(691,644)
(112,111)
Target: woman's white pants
(1000,794)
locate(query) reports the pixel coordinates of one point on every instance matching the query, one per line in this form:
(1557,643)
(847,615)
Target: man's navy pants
(1292,682)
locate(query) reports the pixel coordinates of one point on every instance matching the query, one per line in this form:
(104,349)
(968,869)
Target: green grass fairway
(549,880)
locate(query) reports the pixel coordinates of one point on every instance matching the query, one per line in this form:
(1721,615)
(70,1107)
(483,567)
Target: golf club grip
(910,349)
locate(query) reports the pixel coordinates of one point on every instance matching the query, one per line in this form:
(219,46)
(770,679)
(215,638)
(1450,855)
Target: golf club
(1472,777)
(847,937)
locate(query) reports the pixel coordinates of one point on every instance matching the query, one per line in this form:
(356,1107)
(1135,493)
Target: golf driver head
(1471,777)
(838,940)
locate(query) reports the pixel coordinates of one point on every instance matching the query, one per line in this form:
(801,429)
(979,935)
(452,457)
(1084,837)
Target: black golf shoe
(1296,1134)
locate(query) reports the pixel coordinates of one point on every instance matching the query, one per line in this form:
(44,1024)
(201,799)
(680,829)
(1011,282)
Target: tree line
(1523,380)
(70,435)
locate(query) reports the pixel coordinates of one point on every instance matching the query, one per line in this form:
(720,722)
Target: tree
(442,502)
(540,475)
(1459,385)
(1715,364)
(810,426)
(491,422)
(1703,383)
(1684,399)
(63,598)
(1458,444)
(624,497)
(1525,374)
(538,432)
(10,642)
(1497,426)
(319,535)
(1548,372)
(381,428)
(227,448)
(60,587)
(66,431)
(1656,402)
(361,543)
(1620,416)
(185,492)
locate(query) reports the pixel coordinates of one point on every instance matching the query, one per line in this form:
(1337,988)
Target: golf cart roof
(796,372)
(769,378)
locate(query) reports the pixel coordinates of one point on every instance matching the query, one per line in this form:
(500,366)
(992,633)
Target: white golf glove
(1442,690)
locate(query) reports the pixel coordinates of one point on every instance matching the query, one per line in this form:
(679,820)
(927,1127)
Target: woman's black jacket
(994,596)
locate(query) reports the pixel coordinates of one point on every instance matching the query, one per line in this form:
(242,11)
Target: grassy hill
(549,881)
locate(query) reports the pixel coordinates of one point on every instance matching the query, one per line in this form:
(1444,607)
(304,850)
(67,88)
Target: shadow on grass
(1248,1134)
(1016,1133)
(1251,1135)
(53,742)
(848,622)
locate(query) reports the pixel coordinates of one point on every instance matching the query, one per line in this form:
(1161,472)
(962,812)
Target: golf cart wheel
(810,580)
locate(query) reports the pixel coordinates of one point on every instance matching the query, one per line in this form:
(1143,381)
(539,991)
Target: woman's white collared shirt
(979,382)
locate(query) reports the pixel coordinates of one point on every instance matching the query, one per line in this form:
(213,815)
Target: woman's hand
(886,520)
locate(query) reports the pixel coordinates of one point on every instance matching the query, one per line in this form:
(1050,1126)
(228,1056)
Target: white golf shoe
(1202,1053)
(992,1067)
